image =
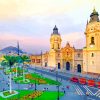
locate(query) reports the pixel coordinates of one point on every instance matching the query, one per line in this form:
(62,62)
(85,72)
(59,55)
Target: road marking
(78,90)
(88,90)
(97,94)
(93,87)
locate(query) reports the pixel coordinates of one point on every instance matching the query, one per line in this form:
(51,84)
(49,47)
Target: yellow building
(66,58)
(36,60)
(91,53)
(70,58)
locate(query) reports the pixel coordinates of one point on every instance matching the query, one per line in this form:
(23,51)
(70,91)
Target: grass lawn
(33,77)
(47,95)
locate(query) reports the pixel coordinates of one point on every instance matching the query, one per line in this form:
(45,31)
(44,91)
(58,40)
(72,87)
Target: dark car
(74,79)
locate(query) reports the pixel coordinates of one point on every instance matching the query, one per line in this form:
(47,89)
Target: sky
(31,22)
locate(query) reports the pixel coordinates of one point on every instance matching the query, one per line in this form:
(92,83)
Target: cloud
(31,22)
(28,8)
(75,39)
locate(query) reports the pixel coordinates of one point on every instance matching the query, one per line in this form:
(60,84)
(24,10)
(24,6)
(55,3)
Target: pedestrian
(64,91)
(43,89)
(67,87)
(87,93)
(3,89)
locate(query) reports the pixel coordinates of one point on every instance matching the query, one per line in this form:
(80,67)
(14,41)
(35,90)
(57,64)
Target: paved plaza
(75,90)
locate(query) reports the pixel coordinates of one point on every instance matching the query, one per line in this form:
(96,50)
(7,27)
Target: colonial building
(91,53)
(66,58)
(70,58)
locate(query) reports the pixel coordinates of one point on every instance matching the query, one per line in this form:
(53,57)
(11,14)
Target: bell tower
(55,40)
(55,47)
(91,56)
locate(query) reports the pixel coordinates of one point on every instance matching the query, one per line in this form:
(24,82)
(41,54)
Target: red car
(98,84)
(74,79)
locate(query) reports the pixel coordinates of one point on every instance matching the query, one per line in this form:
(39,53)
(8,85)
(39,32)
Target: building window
(38,60)
(92,40)
(67,53)
(33,60)
(58,46)
(92,55)
(78,54)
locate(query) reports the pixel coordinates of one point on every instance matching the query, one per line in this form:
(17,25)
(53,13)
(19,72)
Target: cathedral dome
(55,31)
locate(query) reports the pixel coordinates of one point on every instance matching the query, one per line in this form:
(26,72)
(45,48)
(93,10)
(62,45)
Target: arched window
(92,40)
(78,54)
(58,46)
(92,55)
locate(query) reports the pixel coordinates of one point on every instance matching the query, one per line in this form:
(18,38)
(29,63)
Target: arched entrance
(79,68)
(67,66)
(58,65)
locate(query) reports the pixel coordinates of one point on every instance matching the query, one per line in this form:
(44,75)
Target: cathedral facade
(69,58)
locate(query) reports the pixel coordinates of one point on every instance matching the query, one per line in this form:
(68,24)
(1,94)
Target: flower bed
(32,95)
(6,94)
(39,80)
(36,95)
(36,78)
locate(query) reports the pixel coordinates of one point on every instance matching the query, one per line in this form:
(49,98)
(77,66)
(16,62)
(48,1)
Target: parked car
(98,84)
(74,79)
(91,83)
(82,81)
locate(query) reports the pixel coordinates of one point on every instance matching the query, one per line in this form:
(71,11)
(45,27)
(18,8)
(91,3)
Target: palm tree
(4,65)
(18,61)
(24,59)
(10,61)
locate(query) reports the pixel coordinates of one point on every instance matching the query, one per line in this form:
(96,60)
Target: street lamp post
(35,80)
(87,61)
(41,58)
(41,62)
(57,85)
(35,85)
(57,81)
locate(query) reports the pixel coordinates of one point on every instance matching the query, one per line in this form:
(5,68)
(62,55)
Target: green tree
(4,65)
(24,59)
(10,61)
(18,62)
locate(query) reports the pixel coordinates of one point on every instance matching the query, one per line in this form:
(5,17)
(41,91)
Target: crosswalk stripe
(97,92)
(78,90)
(98,95)
(88,90)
